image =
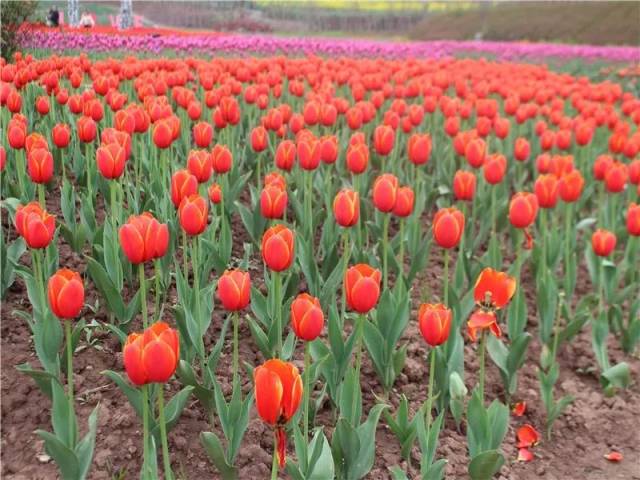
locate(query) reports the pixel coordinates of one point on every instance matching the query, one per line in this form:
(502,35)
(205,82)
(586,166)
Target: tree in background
(12,15)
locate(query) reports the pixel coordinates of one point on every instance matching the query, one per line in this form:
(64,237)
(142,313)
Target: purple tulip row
(265,44)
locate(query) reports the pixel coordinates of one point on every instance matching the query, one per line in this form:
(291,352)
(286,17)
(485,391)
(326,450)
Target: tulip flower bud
(464,185)
(199,165)
(14,101)
(274,178)
(634,172)
(61,135)
(286,155)
(633,219)
(278,248)
(66,293)
(259,139)
(385,191)
(452,126)
(183,184)
(521,149)
(346,207)
(143,238)
(215,193)
(435,323)
(87,130)
(3,158)
(448,227)
(16,135)
(273,201)
(362,287)
(234,290)
(111,160)
(42,105)
(419,148)
(35,225)
(40,165)
(546,190)
(383,139)
(523,209)
(603,242)
(307,318)
(570,186)
(152,356)
(193,214)
(329,149)
(404,202)
(494,168)
(357,158)
(162,134)
(616,177)
(308,150)
(202,134)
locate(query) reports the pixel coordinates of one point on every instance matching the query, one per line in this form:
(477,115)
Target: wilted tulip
(493,289)
(482,320)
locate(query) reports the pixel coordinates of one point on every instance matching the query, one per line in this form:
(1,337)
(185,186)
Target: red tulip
(570,186)
(385,191)
(357,158)
(193,214)
(482,320)
(152,356)
(546,189)
(40,165)
(435,323)
(215,193)
(307,318)
(162,134)
(35,225)
(143,238)
(346,207)
(202,134)
(273,201)
(494,168)
(329,149)
(61,135)
(362,287)
(404,202)
(603,242)
(419,148)
(633,219)
(308,150)
(601,166)
(448,227)
(3,158)
(66,293)
(464,185)
(475,152)
(87,130)
(16,135)
(221,159)
(616,177)
(234,290)
(199,165)
(278,248)
(111,160)
(183,184)
(521,149)
(42,105)
(523,209)
(278,392)
(259,139)
(493,289)
(275,179)
(383,139)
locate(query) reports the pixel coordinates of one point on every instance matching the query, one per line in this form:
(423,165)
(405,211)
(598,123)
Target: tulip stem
(145,431)
(143,295)
(234,319)
(346,253)
(19,170)
(432,371)
(277,311)
(306,392)
(168,474)
(483,342)
(401,255)
(185,255)
(446,277)
(493,213)
(359,332)
(112,188)
(156,312)
(543,228)
(567,244)
(41,196)
(307,205)
(385,241)
(68,338)
(274,464)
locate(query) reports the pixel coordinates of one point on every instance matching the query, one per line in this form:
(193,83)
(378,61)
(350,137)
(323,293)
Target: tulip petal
(268,393)
(159,361)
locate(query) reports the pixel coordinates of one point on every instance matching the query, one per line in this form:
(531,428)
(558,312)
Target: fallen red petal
(613,456)
(519,408)
(527,436)
(524,455)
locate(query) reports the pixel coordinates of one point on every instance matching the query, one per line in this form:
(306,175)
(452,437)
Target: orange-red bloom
(221,159)
(234,289)
(193,214)
(419,148)
(111,160)
(259,139)
(570,186)
(162,133)
(494,168)
(61,135)
(633,219)
(546,188)
(307,318)
(346,207)
(152,356)
(521,149)
(273,201)
(404,202)
(357,157)
(435,323)
(448,226)
(464,185)
(200,165)
(40,165)
(202,134)
(523,209)
(362,287)
(383,139)
(286,155)
(35,225)
(143,238)
(385,191)
(215,193)
(603,242)
(482,320)
(66,293)
(278,248)
(494,289)
(183,185)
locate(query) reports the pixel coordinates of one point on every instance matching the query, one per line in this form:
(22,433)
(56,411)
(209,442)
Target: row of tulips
(333,168)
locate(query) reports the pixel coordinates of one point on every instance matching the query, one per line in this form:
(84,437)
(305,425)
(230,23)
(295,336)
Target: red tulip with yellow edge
(193,214)
(346,208)
(464,185)
(35,225)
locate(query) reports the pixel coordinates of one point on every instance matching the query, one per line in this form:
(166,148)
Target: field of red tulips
(318,268)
